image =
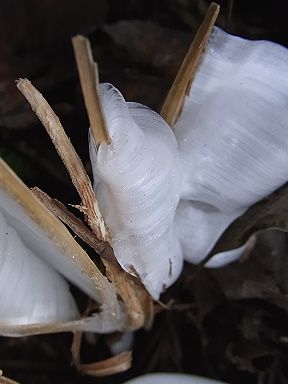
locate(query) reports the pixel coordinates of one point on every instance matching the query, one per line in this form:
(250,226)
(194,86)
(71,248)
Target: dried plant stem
(89,78)
(77,226)
(137,301)
(173,104)
(69,156)
(116,364)
(110,366)
(103,292)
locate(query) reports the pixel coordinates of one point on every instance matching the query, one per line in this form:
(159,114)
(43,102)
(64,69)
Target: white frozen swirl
(233,138)
(138,181)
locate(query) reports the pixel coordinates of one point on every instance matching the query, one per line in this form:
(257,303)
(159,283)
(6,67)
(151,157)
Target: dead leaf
(248,355)
(262,276)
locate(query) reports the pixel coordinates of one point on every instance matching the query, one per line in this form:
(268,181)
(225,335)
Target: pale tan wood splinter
(103,291)
(173,103)
(116,364)
(137,301)
(69,156)
(67,217)
(89,78)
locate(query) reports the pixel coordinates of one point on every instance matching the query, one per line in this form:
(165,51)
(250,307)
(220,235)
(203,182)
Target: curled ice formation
(138,183)
(198,226)
(232,136)
(31,292)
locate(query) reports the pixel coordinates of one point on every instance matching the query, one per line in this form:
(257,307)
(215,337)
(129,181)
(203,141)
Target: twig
(138,303)
(110,366)
(88,73)
(180,88)
(72,256)
(67,217)
(69,156)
